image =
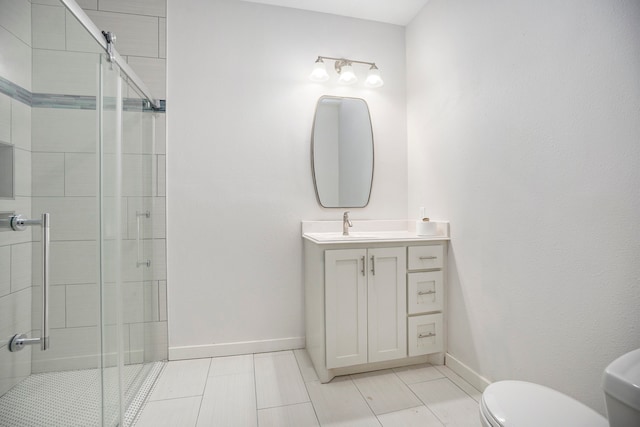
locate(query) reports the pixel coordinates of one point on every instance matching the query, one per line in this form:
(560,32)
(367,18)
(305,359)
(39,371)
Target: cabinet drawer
(425,257)
(425,334)
(425,292)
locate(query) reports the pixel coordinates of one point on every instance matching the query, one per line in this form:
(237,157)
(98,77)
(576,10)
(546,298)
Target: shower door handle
(17,223)
(139,254)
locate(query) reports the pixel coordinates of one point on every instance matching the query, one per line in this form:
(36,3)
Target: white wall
(240,113)
(524,132)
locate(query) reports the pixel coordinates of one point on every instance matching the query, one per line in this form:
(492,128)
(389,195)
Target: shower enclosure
(82,264)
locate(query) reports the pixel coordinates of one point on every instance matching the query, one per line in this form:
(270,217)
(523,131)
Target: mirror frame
(313,166)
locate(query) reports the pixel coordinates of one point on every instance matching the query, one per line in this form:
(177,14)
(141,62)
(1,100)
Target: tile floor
(281,389)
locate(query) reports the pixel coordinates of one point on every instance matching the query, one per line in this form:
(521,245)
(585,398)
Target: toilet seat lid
(524,404)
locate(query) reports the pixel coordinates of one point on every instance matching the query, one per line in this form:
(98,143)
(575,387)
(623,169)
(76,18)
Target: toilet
(525,404)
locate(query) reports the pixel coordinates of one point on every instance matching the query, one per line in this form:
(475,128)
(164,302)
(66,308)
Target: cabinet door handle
(426,293)
(429,335)
(362,271)
(428,257)
(373,265)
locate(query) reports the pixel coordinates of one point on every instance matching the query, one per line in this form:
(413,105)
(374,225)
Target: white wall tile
(448,402)
(278,380)
(48,26)
(162,299)
(47,2)
(155,341)
(182,412)
(21,276)
(159,262)
(16,17)
(136,174)
(132,302)
(16,59)
(150,301)
(72,218)
(83,305)
(136,34)
(5,270)
(161,133)
(78,39)
(22,183)
(21,205)
(71,262)
(15,315)
(136,342)
(229,400)
(71,349)
(139,7)
(57,307)
(5,118)
(162,176)
(69,73)
(300,415)
(159,218)
(14,367)
(182,378)
(80,174)
(162,41)
(153,72)
(88,4)
(413,417)
(152,227)
(52,132)
(47,174)
(20,125)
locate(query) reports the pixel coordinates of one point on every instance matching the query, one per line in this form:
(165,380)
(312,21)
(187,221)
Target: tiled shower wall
(15,248)
(56,150)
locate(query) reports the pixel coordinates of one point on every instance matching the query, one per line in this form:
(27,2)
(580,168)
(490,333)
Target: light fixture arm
(341,62)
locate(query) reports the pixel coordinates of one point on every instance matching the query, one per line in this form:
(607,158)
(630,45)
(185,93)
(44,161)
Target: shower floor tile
(66,399)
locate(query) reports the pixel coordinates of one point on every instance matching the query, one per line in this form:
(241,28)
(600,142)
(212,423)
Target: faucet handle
(345,216)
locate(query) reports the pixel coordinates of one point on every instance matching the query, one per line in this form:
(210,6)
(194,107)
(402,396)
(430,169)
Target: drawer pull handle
(426,293)
(428,257)
(362,271)
(429,335)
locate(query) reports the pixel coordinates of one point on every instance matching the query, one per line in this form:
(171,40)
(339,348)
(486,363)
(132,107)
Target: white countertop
(370,231)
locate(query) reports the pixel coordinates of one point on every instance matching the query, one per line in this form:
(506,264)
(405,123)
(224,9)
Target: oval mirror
(342,152)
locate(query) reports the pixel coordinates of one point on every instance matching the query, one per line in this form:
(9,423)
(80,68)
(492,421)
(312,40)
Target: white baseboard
(468,374)
(235,348)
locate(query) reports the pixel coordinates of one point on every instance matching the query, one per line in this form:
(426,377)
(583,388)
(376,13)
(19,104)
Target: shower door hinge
(111,40)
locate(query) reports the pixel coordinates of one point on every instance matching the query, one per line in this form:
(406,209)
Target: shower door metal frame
(96,33)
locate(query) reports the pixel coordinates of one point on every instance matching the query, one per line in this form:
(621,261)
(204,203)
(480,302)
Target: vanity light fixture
(344,68)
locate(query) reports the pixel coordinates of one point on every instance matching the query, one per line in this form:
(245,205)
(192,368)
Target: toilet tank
(621,384)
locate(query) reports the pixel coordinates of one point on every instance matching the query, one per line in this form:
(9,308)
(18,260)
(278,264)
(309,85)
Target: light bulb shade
(347,76)
(319,73)
(373,78)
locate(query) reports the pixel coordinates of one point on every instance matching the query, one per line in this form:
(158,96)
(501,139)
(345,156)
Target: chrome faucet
(346,223)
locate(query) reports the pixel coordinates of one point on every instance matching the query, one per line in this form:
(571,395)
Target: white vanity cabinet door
(425,292)
(387,304)
(346,307)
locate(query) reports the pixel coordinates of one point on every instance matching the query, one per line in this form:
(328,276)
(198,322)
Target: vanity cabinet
(374,305)
(365,305)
